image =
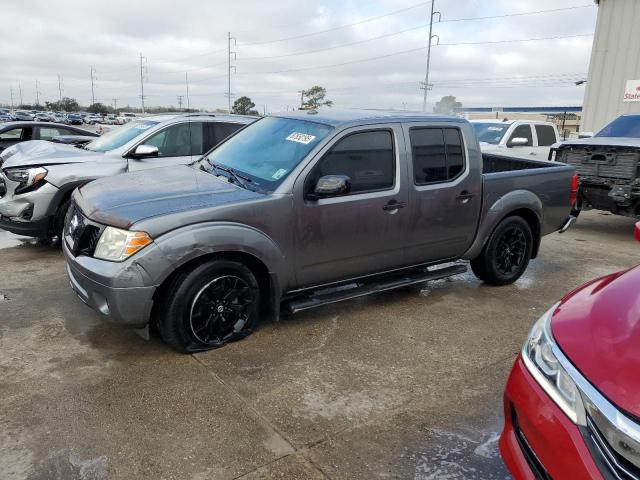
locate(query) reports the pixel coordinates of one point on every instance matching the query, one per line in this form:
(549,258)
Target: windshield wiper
(242,180)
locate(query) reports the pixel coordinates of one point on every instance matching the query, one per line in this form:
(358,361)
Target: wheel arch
(522,203)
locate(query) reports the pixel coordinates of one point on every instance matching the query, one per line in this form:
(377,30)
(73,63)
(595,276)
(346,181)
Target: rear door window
(12,134)
(47,133)
(437,153)
(546,135)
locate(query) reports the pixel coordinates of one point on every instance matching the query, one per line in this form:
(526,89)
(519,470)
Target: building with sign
(613,84)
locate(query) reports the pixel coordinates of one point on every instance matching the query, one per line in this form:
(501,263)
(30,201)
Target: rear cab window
(437,154)
(546,135)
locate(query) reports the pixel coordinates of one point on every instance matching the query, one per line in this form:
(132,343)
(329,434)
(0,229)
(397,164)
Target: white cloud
(67,37)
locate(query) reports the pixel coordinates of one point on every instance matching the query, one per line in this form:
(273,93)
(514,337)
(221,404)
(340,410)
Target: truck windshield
(119,136)
(266,151)
(490,132)
(625,126)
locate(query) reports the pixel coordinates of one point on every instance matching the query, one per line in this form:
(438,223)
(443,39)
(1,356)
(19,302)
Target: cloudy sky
(367,53)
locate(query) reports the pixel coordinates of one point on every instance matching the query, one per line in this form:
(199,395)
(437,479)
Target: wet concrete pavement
(405,384)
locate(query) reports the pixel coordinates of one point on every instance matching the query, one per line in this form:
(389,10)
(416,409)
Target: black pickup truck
(608,167)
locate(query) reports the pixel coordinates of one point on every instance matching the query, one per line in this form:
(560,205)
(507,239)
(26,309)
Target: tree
(315,98)
(446,105)
(97,108)
(69,104)
(244,106)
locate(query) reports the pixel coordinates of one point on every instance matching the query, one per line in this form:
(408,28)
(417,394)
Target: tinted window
(174,141)
(523,131)
(366,158)
(196,135)
(438,154)
(47,133)
(429,156)
(13,134)
(223,130)
(455,154)
(546,135)
(625,126)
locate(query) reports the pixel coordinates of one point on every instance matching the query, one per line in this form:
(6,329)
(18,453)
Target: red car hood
(597,326)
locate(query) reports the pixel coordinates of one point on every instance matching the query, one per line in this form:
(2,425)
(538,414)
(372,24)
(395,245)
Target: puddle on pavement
(465,455)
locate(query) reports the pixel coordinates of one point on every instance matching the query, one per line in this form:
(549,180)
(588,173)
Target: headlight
(25,177)
(116,244)
(540,355)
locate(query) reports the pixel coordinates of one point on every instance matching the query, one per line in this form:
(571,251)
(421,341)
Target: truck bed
(543,182)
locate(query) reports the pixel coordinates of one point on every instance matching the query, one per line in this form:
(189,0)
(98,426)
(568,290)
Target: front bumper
(27,213)
(552,445)
(121,291)
(39,228)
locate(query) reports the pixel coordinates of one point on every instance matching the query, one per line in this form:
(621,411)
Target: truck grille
(603,162)
(81,234)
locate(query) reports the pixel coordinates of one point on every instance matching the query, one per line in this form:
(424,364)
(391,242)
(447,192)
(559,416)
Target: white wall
(615,58)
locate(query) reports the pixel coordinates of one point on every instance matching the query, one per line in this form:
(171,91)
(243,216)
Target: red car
(572,401)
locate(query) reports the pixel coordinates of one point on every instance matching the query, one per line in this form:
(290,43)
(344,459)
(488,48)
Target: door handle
(532,153)
(465,196)
(393,205)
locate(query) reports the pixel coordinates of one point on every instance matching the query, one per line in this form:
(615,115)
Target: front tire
(506,255)
(209,306)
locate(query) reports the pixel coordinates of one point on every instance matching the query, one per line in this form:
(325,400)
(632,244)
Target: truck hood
(597,326)
(599,141)
(41,152)
(126,199)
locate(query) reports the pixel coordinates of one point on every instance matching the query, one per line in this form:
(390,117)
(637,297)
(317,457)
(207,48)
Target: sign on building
(632,91)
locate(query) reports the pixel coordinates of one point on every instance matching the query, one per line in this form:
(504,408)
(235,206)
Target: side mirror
(637,231)
(145,151)
(517,142)
(330,186)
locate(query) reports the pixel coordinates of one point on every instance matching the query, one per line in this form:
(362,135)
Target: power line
(295,37)
(411,50)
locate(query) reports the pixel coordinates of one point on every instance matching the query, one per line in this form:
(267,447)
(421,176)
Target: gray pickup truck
(299,210)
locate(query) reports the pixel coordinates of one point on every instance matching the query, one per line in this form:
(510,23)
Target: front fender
(192,241)
(505,205)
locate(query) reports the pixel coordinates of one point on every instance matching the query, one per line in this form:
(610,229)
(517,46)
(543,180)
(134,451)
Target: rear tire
(506,255)
(208,306)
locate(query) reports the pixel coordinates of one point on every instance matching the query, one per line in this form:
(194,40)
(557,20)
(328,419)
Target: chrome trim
(616,428)
(607,455)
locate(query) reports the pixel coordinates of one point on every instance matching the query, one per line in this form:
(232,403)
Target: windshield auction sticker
(279,173)
(301,138)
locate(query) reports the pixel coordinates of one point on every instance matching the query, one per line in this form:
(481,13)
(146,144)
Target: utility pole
(426,77)
(115,104)
(301,92)
(60,88)
(180,97)
(142,81)
(20,90)
(264,110)
(230,66)
(93,93)
(11,90)
(37,94)
(186,80)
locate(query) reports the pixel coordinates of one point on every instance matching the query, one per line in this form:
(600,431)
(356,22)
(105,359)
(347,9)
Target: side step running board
(338,294)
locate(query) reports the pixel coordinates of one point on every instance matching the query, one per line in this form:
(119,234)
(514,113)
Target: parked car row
(6,115)
(13,133)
